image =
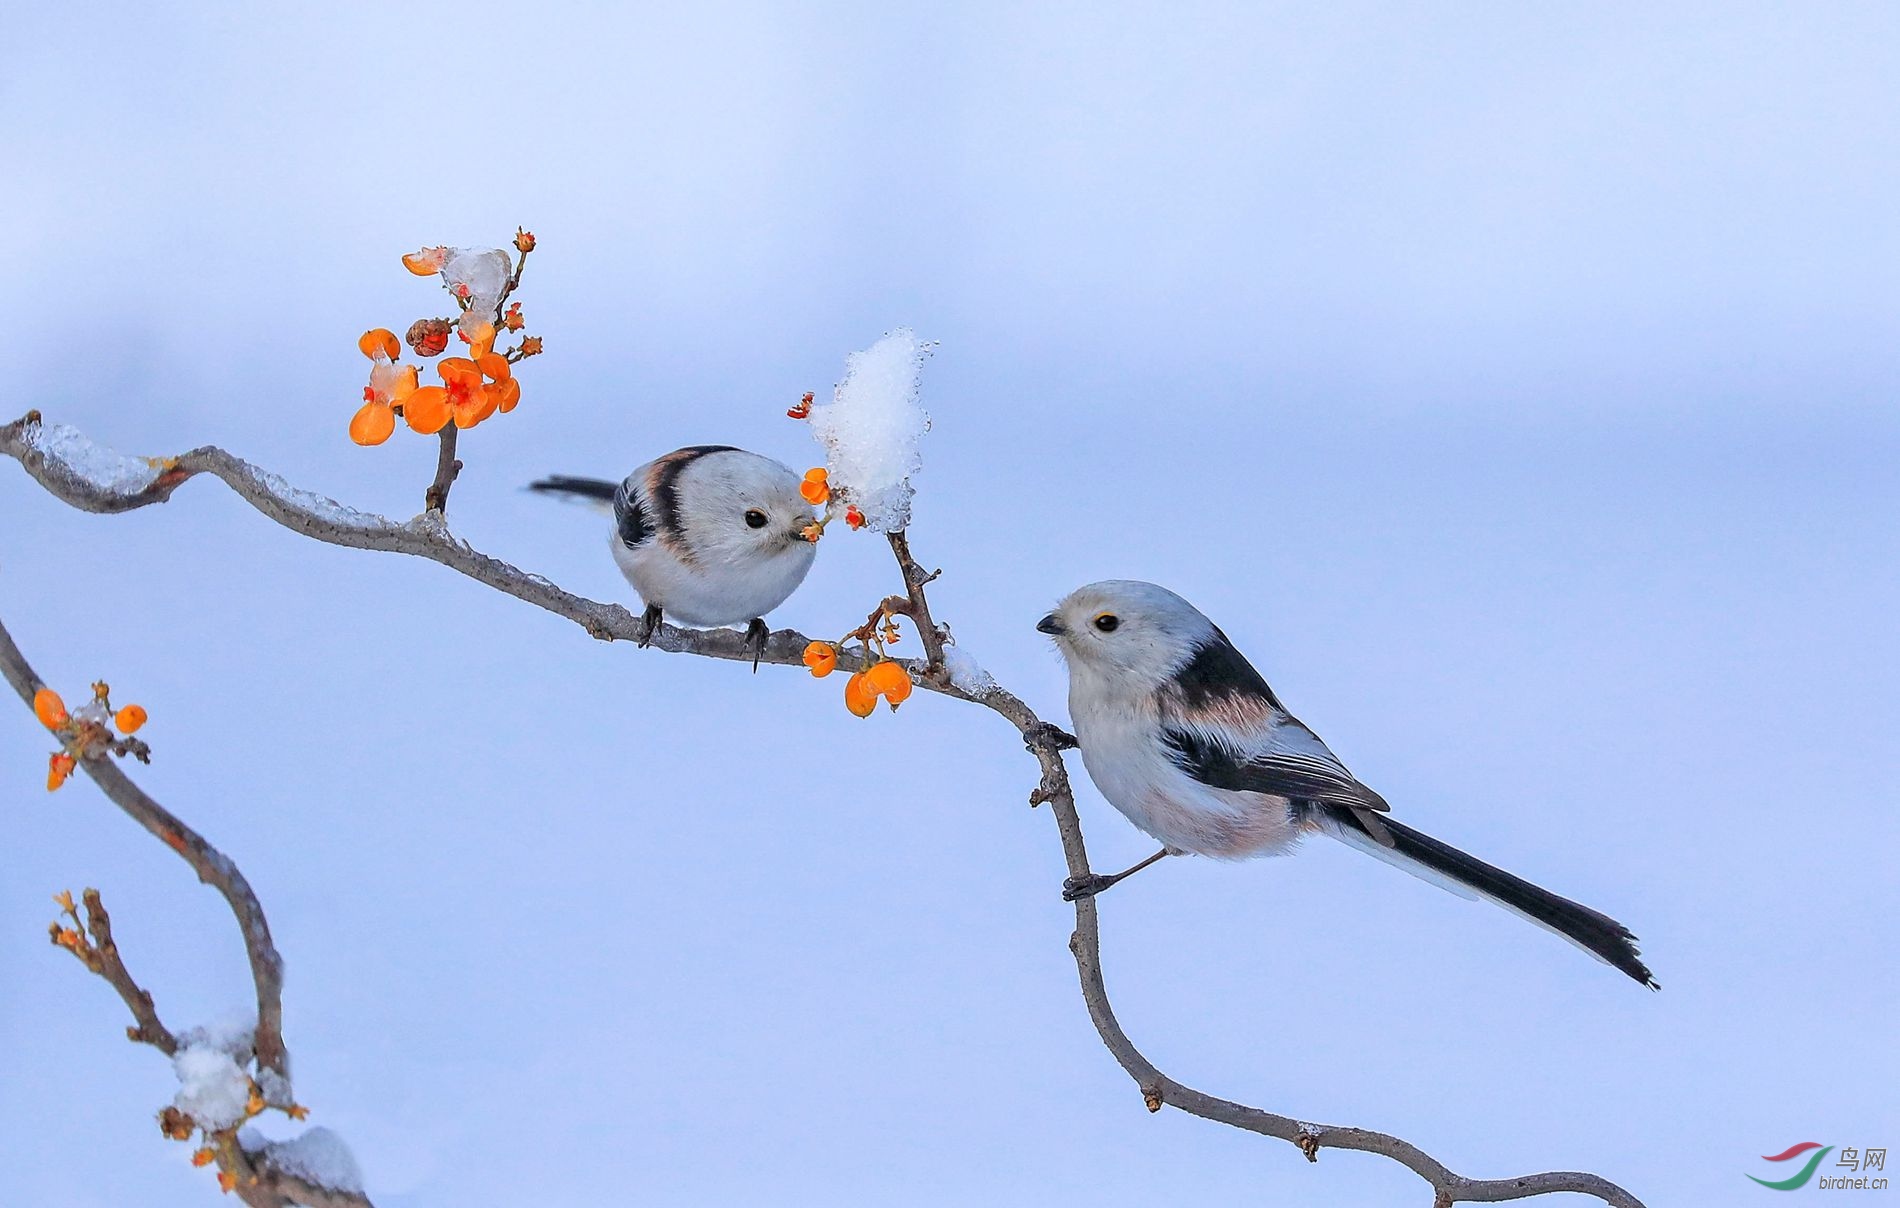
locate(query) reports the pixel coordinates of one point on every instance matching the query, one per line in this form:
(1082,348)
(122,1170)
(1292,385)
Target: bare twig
(323,520)
(213,867)
(90,940)
(256,1181)
(918,609)
(436,498)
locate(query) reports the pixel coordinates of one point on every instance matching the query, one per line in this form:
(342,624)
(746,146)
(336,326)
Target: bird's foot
(1076,888)
(756,635)
(649,624)
(1049,736)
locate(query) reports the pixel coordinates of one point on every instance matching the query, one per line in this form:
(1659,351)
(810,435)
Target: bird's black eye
(754,518)
(1108,622)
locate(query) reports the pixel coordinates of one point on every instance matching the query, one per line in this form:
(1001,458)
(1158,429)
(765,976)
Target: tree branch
(257,1182)
(213,867)
(59,469)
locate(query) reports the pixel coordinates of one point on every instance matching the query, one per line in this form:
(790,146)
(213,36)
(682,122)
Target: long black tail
(586,488)
(1446,866)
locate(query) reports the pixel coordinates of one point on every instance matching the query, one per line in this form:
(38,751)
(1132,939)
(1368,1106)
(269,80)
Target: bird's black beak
(1051,626)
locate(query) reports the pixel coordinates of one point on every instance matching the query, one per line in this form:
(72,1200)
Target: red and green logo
(1800,1177)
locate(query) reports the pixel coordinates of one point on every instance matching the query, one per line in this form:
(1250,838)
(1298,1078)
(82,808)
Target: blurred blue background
(1515,384)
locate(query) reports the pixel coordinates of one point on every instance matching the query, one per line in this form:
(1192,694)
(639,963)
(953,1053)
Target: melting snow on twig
(317,1156)
(212,1088)
(873,427)
(106,469)
(966,673)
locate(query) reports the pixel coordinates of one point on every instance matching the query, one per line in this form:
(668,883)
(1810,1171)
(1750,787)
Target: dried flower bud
(524,241)
(428,336)
(175,1124)
(853,517)
(531,347)
(512,320)
(57,770)
(203,1157)
(803,409)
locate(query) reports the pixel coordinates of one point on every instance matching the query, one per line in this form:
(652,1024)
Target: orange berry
(821,658)
(858,696)
(57,770)
(817,474)
(508,392)
(427,262)
(372,423)
(890,681)
(427,410)
(129,719)
(853,517)
(815,490)
(482,342)
(50,709)
(380,339)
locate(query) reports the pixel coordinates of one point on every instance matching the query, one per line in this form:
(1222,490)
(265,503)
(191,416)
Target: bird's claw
(649,624)
(1049,736)
(1076,888)
(756,635)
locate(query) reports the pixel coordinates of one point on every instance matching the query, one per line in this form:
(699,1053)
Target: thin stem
(436,498)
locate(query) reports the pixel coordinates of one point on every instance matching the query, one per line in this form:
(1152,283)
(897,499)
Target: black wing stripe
(1217,672)
(1282,775)
(629,519)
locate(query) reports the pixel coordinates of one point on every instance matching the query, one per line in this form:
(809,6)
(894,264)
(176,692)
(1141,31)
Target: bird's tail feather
(595,492)
(1448,868)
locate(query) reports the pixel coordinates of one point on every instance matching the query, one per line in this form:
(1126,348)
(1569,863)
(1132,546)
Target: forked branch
(428,537)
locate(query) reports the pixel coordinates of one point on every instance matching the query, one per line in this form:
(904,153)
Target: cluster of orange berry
(473,387)
(881,677)
(83,731)
(816,488)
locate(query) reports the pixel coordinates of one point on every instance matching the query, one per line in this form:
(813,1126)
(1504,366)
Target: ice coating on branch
(966,673)
(106,469)
(320,506)
(873,429)
(484,273)
(318,1156)
(212,1088)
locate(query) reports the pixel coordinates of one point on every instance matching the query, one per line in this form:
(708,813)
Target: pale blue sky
(1514,384)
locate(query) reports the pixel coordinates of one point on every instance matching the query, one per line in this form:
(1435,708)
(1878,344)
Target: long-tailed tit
(708,535)
(1185,738)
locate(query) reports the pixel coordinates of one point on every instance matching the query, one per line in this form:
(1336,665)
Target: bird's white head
(1125,634)
(730,507)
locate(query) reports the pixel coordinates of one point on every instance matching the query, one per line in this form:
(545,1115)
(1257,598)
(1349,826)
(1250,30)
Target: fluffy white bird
(1186,739)
(708,535)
